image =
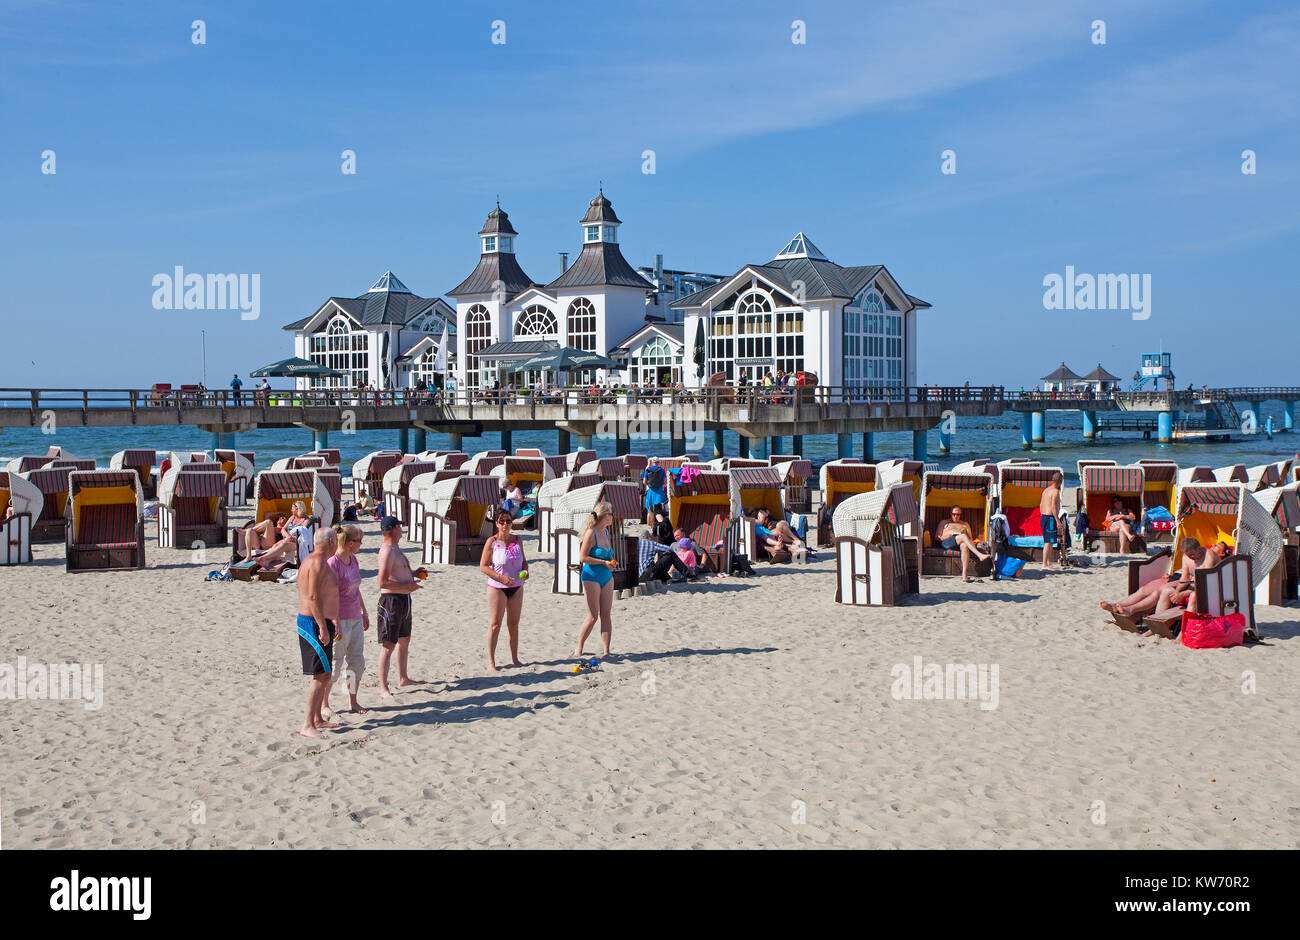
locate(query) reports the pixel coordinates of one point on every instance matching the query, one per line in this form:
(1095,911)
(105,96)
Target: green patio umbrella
(565,359)
(292,368)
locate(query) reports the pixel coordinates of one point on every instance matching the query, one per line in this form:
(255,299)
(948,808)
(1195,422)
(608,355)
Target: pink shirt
(506,561)
(349,575)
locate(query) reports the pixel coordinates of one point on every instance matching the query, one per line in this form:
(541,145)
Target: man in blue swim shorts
(1049,508)
(318,612)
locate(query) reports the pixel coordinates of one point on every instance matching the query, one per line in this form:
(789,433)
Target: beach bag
(1205,632)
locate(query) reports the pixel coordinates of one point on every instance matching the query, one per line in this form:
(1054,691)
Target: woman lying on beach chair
(776,534)
(1163,594)
(1122,522)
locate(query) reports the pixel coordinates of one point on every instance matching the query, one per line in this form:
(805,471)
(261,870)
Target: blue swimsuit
(599,574)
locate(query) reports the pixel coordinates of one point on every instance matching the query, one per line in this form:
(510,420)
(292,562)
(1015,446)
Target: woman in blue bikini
(597,557)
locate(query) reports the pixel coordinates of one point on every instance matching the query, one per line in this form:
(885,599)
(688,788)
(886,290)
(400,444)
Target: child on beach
(686,552)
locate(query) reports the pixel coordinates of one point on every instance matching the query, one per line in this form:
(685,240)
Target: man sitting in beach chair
(955,534)
(1121,521)
(1177,590)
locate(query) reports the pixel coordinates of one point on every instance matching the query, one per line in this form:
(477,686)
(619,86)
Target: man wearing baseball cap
(396,584)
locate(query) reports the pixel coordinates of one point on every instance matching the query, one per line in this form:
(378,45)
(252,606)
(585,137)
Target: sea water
(993,438)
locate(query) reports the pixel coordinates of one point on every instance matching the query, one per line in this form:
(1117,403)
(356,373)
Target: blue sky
(225,157)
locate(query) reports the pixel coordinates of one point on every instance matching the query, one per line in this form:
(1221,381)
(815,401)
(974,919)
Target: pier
(762,417)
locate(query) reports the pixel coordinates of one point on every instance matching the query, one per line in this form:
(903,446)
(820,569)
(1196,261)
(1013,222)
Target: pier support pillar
(455,441)
(1089,425)
(584,442)
(1026,430)
(918,444)
(320,440)
(718,443)
(561,441)
(404,440)
(1165,424)
(774,445)
(1040,424)
(844,445)
(223,441)
(622,445)
(421,440)
(1257,408)
(758,448)
(868,446)
(945,437)
(744,445)
(1288,415)
(507,438)
(796,443)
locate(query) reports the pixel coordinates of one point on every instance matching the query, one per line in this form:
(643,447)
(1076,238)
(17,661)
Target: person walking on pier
(396,584)
(235,386)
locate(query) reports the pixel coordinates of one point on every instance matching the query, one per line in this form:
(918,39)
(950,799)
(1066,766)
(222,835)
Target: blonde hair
(598,512)
(348,533)
(299,507)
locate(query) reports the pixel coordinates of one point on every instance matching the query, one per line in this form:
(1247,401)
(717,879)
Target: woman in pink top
(506,568)
(354,619)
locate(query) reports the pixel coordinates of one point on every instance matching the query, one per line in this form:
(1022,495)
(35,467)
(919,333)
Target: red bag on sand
(1203,632)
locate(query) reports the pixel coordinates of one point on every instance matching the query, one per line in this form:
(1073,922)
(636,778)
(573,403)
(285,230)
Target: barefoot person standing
(318,609)
(1049,511)
(396,584)
(597,577)
(354,619)
(506,568)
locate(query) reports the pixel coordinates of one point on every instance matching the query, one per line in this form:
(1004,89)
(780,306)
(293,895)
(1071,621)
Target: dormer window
(506,243)
(593,233)
(611,234)
(489,243)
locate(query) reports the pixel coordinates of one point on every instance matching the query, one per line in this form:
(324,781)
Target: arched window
(340,347)
(872,303)
(539,322)
(478,335)
(582,325)
(656,363)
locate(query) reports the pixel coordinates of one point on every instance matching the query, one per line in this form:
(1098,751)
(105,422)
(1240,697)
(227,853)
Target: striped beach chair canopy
(137,458)
(845,476)
(73,463)
(20,493)
(1262,477)
(59,453)
(1197,474)
(27,462)
(529,452)
(1284,469)
(1029,476)
(704,483)
(860,516)
(794,472)
(374,465)
(889,472)
(452,461)
(624,499)
(559,464)
(479,493)
(1083,465)
(237,464)
(1283,504)
(484,462)
(307,462)
(633,464)
(1159,471)
(399,477)
(190,481)
(755,488)
(1014,460)
(575,459)
(1235,473)
(669,463)
(1113,479)
(188,456)
(278,487)
(1228,512)
(52,484)
(333,457)
(607,468)
(104,507)
(741,462)
(422,486)
(942,490)
(518,469)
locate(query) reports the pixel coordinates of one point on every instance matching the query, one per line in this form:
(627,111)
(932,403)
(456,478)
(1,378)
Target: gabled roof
(820,278)
(1100,375)
(674,332)
(492,267)
(599,264)
(389,301)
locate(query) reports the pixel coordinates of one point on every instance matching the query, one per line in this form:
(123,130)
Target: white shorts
(349,652)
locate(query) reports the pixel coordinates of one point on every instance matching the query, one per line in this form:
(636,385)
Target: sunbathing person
(1122,521)
(264,534)
(776,533)
(1159,595)
(954,534)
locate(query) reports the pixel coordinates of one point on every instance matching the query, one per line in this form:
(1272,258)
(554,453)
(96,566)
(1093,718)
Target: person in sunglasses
(956,534)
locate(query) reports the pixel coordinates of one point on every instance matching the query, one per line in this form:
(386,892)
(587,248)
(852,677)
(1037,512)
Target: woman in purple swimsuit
(506,568)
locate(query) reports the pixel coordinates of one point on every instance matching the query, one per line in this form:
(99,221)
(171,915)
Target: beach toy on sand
(594,663)
(577,669)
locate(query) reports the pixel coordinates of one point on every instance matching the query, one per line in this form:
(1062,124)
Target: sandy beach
(741,713)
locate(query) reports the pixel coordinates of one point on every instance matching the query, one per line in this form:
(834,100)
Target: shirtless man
(396,584)
(1049,511)
(1122,521)
(956,533)
(1162,593)
(318,611)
